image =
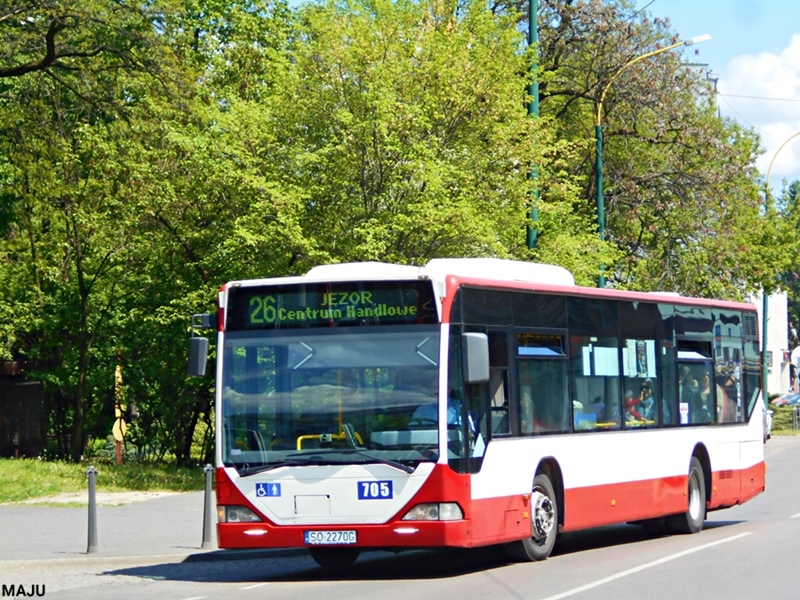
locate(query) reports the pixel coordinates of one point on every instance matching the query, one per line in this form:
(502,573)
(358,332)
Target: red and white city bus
(473,402)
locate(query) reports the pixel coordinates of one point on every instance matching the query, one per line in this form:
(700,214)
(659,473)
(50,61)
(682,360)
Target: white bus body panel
(329,494)
(608,458)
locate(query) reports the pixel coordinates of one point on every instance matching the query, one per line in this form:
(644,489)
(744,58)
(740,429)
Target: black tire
(544,524)
(692,520)
(334,558)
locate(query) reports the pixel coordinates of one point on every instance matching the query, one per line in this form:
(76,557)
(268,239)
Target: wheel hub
(544,517)
(694,496)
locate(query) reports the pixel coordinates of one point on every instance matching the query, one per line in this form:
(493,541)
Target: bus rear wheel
(334,558)
(544,524)
(692,520)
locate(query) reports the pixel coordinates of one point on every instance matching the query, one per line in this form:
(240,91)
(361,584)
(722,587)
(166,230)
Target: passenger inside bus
(703,399)
(705,387)
(640,405)
(728,392)
(696,394)
(632,406)
(648,400)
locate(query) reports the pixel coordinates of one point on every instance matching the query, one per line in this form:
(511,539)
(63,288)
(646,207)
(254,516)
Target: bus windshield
(322,397)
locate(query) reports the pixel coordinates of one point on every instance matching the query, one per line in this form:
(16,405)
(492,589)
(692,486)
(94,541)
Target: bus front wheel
(692,520)
(544,524)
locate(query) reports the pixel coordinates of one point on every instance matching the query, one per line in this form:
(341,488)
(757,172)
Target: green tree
(68,232)
(788,204)
(682,197)
(151,152)
(71,78)
(196,182)
(400,129)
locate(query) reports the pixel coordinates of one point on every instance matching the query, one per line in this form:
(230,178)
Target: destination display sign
(336,304)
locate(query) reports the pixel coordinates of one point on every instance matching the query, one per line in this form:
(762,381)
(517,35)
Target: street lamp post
(764,296)
(532,229)
(598,132)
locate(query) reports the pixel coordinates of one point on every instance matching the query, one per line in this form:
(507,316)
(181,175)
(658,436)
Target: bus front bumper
(397,534)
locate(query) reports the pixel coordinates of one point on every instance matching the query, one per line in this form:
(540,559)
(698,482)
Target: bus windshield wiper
(325,458)
(318,458)
(290,461)
(381,460)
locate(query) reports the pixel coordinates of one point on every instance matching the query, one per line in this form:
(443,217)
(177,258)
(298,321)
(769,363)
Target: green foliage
(787,204)
(415,142)
(782,420)
(79,175)
(681,189)
(162,149)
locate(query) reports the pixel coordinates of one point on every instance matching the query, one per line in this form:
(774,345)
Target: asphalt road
(743,552)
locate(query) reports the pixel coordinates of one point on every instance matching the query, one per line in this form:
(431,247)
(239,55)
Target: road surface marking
(654,563)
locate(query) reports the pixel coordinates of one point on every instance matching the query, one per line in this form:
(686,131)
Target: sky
(754,54)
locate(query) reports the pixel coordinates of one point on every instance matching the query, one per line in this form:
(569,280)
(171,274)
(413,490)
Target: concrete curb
(92,560)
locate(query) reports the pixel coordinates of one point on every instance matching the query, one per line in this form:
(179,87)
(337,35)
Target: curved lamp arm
(600,200)
(689,42)
(772,162)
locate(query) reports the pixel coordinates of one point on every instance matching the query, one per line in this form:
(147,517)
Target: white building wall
(777,328)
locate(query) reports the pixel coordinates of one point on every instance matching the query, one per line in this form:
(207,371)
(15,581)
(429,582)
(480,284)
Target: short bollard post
(207,509)
(92,546)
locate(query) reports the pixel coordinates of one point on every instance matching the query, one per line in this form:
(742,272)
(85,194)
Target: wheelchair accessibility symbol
(268,490)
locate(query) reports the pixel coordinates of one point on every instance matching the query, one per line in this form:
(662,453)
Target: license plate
(329,538)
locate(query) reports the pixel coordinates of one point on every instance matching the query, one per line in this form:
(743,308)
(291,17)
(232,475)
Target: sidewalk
(153,525)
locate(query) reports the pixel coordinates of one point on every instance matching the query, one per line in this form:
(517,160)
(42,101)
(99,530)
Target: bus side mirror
(198,346)
(475,353)
(198,356)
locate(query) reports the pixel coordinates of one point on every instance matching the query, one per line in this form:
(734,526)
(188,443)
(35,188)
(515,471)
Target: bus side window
(696,389)
(497,415)
(542,365)
(639,363)
(543,396)
(596,383)
(666,377)
(728,365)
(728,398)
(703,410)
(499,402)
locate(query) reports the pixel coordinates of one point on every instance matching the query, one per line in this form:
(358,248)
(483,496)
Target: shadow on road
(265,566)
(613,535)
(277,566)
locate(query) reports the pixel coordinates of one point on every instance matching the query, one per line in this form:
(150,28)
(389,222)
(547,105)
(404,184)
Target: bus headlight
(433,511)
(236,514)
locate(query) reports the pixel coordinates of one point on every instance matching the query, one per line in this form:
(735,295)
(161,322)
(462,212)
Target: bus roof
(490,272)
(497,269)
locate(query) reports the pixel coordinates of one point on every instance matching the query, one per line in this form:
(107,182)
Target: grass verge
(782,420)
(22,479)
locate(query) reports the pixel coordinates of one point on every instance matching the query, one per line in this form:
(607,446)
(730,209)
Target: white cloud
(763,91)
